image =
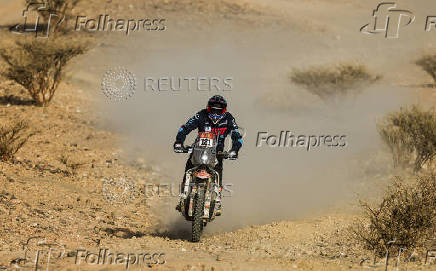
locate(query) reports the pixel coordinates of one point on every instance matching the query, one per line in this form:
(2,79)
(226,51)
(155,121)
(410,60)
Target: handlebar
(221,154)
(185,149)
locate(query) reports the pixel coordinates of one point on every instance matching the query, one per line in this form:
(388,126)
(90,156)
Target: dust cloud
(268,184)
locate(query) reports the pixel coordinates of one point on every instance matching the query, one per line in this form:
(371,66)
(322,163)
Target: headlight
(204,158)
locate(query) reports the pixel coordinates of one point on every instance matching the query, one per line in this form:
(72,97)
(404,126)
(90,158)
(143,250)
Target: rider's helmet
(216,107)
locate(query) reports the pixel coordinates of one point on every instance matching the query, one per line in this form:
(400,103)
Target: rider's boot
(179,207)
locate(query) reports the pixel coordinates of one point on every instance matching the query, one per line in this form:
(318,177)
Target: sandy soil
(304,226)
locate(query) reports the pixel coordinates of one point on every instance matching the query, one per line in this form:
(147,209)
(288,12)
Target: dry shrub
(12,138)
(333,81)
(226,8)
(428,64)
(38,64)
(406,215)
(410,134)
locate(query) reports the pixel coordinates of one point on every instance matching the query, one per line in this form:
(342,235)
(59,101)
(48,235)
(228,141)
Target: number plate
(206,140)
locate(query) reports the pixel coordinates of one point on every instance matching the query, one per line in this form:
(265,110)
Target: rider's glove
(233,155)
(178,147)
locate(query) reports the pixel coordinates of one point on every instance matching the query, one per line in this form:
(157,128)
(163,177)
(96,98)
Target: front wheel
(197,221)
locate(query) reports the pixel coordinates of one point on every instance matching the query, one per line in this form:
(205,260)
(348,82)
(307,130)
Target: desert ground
(290,209)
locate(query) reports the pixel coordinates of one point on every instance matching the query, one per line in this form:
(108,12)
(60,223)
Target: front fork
(185,193)
(191,190)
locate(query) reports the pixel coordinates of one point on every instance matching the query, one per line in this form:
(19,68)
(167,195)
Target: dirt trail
(211,38)
(259,61)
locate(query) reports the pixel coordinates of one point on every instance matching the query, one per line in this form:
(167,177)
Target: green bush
(410,134)
(332,81)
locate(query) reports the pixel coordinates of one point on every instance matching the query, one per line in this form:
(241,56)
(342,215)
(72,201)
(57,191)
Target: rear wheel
(197,221)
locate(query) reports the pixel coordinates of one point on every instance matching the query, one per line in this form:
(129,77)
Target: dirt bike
(200,195)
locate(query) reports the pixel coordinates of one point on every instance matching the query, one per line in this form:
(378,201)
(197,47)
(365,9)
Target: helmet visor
(216,110)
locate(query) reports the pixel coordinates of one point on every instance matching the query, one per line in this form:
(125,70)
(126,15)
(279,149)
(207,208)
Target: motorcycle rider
(216,118)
